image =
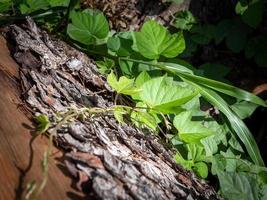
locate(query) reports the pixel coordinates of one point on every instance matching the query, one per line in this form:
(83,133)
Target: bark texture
(108,160)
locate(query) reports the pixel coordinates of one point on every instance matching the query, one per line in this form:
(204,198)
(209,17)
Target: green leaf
(215,85)
(184,20)
(188,164)
(263,192)
(160,94)
(236,123)
(218,164)
(196,153)
(237,37)
(55,3)
(33,5)
(88,27)
(201,169)
(142,78)
(154,40)
(256,47)
(238,186)
(5,5)
(253,14)
(118,114)
(123,86)
(43,123)
(244,109)
(105,66)
(231,160)
(203,34)
(215,71)
(241,7)
(142,116)
(121,44)
(210,145)
(235,144)
(222,30)
(190,131)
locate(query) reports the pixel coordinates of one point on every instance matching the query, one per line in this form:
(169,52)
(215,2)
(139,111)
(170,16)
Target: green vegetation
(169,93)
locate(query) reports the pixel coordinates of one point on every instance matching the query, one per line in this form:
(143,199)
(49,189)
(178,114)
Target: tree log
(108,160)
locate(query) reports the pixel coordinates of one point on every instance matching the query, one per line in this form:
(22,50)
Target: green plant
(169,93)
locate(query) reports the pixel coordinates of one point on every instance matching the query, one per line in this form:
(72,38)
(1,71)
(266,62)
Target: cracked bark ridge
(109,160)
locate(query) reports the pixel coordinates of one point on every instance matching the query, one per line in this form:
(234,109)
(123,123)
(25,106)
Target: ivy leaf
(190,131)
(162,95)
(88,27)
(43,123)
(155,40)
(123,85)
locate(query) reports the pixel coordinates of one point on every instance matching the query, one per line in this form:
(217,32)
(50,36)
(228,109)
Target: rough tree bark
(108,160)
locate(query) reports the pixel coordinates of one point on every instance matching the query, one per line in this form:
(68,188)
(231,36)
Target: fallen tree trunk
(109,160)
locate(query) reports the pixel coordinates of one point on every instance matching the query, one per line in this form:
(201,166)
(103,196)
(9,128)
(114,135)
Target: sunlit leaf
(154,40)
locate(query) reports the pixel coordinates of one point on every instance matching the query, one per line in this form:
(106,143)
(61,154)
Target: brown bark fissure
(110,160)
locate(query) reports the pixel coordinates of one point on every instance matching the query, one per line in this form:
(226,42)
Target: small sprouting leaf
(123,85)
(201,169)
(43,123)
(162,94)
(88,27)
(144,118)
(188,164)
(118,114)
(190,131)
(155,40)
